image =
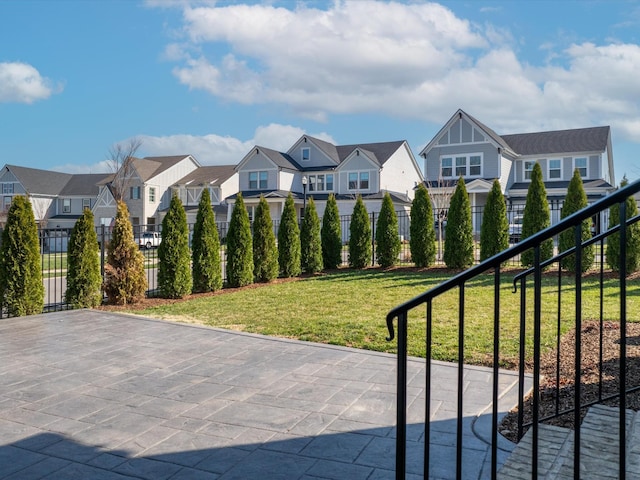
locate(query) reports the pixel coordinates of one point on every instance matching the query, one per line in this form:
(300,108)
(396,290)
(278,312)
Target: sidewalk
(93,395)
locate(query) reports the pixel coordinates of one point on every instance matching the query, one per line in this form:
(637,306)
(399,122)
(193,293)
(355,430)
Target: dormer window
(555,169)
(306,154)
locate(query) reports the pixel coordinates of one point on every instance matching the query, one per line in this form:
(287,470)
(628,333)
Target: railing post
(578,351)
(401,405)
(623,341)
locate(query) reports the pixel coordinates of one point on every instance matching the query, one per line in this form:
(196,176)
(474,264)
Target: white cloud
(223,150)
(352,58)
(22,83)
(98,167)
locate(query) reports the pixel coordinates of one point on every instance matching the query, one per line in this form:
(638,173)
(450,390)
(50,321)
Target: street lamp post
(304,190)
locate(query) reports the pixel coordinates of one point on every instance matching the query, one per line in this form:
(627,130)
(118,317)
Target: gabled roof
(42,182)
(280,159)
(328,148)
(379,152)
(593,139)
(209,175)
(84,184)
(149,167)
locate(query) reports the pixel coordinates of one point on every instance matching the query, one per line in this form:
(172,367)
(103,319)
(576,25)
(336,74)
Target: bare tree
(440,192)
(120,161)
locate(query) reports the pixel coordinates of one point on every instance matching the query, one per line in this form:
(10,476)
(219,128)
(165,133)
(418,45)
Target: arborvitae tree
(536,217)
(310,242)
(458,242)
(265,250)
(83,264)
(289,241)
(422,233)
(331,235)
(387,236)
(359,236)
(21,289)
(575,200)
(494,233)
(239,247)
(125,280)
(174,271)
(633,236)
(205,248)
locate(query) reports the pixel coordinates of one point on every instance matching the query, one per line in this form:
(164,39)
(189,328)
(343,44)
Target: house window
(555,169)
(446,167)
(364,180)
(306,154)
(7,188)
(66,205)
(134,193)
(320,183)
(6,203)
(329,178)
(86,203)
(528,168)
(312,183)
(580,164)
(475,165)
(461,166)
(353,181)
(250,212)
(152,194)
(151,224)
(258,180)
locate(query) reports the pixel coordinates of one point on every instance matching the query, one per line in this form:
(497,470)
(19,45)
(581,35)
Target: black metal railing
(531,317)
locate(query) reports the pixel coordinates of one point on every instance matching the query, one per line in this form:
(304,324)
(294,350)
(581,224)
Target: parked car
(515,229)
(149,239)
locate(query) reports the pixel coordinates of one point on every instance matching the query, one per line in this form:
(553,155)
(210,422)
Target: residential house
(220,180)
(465,147)
(57,199)
(145,186)
(316,168)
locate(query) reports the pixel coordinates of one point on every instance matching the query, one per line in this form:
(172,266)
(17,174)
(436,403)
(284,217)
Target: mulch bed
(563,398)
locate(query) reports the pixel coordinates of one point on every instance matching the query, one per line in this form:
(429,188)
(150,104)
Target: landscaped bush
(205,248)
(458,242)
(536,217)
(331,235)
(21,289)
(289,241)
(265,250)
(239,247)
(310,242)
(174,272)
(360,236)
(422,242)
(125,280)
(494,232)
(575,200)
(387,237)
(83,267)
(633,236)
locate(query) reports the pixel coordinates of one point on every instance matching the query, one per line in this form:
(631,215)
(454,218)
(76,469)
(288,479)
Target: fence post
(373,239)
(102,250)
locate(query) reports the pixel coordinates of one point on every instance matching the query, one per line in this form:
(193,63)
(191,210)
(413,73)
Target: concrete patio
(93,395)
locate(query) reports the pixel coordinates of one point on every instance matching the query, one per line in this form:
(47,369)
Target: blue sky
(216,78)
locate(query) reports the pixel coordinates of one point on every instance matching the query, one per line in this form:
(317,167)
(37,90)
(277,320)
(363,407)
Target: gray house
(465,147)
(316,168)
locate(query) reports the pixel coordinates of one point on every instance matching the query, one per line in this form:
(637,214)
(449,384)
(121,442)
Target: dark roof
(329,148)
(267,194)
(87,184)
(380,152)
(494,136)
(282,160)
(36,181)
(209,175)
(564,184)
(395,196)
(593,139)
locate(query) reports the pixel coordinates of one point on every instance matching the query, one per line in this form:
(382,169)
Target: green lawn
(349,308)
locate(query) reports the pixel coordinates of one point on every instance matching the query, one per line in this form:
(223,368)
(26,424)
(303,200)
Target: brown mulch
(554,399)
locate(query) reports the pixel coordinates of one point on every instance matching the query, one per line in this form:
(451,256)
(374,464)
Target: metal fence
(54,244)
